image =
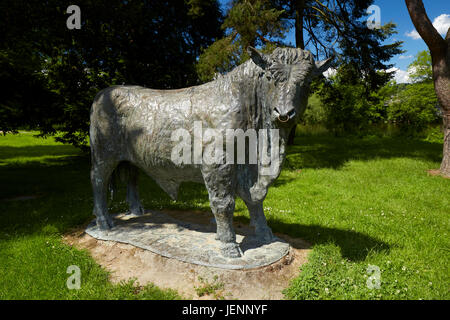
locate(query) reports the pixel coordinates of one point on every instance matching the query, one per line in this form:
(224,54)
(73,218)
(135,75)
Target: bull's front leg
(220,183)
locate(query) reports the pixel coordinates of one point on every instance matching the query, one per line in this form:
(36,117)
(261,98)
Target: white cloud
(401,76)
(441,23)
(413,34)
(402,57)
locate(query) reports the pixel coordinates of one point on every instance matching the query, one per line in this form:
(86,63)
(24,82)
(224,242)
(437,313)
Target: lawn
(364,204)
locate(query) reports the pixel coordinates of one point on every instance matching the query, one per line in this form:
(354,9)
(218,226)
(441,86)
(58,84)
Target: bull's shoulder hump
(115,89)
(143,91)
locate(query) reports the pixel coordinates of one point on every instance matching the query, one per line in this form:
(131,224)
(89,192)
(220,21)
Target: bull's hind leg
(258,221)
(100,175)
(221,190)
(133,193)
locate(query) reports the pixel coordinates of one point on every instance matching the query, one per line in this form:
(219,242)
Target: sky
(395,11)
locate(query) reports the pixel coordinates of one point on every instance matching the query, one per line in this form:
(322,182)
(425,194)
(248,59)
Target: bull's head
(288,75)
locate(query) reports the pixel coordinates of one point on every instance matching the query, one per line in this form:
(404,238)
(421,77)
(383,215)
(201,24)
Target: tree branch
(424,26)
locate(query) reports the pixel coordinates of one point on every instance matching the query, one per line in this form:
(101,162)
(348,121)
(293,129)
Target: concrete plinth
(189,242)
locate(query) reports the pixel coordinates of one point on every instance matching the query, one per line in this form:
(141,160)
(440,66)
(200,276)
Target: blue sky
(395,11)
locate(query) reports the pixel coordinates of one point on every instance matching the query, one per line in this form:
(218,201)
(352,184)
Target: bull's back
(136,124)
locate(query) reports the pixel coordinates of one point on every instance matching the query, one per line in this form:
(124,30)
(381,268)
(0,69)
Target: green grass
(359,202)
(33,259)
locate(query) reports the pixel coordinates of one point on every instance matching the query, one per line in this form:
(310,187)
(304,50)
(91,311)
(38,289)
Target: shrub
(414,108)
(349,109)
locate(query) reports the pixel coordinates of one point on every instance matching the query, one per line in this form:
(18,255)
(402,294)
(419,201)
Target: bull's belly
(169,177)
(164,169)
(175,174)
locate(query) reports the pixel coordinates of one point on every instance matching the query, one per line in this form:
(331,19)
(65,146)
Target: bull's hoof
(136,211)
(264,234)
(105,223)
(231,250)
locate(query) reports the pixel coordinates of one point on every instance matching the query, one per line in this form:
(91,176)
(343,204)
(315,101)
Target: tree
(248,23)
(420,69)
(348,107)
(440,56)
(149,43)
(321,27)
(414,108)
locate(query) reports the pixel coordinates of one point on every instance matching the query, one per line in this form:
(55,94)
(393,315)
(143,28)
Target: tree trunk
(445,164)
(440,56)
(298,6)
(441,79)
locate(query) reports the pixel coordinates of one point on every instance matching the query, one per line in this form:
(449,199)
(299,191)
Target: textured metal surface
(135,125)
(188,242)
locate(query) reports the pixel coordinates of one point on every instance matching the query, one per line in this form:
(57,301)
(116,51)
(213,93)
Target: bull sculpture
(131,128)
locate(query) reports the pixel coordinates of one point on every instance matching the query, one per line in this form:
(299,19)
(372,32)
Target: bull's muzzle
(284,116)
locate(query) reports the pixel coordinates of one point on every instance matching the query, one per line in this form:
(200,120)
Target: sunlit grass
(33,259)
(359,202)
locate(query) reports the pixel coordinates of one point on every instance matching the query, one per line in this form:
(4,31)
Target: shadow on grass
(354,246)
(326,151)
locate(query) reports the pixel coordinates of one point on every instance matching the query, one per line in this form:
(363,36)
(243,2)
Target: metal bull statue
(131,127)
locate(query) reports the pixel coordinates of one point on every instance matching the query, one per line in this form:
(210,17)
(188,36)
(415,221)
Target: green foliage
(220,57)
(348,105)
(26,101)
(362,48)
(353,108)
(53,73)
(320,24)
(253,20)
(315,112)
(434,134)
(414,108)
(248,23)
(421,68)
(339,28)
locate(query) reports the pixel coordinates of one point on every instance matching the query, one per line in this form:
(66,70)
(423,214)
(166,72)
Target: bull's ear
(258,58)
(323,65)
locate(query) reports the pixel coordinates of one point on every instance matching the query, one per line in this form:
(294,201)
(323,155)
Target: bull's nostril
(291,113)
(284,118)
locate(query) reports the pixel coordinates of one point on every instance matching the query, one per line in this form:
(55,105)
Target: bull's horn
(258,58)
(323,65)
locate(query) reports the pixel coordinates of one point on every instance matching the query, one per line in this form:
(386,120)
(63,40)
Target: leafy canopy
(421,68)
(53,73)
